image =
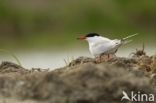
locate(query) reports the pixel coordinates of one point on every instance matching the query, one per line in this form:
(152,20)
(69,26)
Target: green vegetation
(53,23)
(12,55)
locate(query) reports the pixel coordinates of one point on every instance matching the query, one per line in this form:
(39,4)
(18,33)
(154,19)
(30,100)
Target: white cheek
(91,39)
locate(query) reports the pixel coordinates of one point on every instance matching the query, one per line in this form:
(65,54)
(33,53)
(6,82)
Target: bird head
(88,36)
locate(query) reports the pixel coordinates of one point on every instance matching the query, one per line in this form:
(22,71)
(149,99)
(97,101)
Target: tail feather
(130,36)
(125,41)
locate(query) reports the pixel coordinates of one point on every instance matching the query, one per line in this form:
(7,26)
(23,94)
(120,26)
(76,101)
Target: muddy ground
(81,81)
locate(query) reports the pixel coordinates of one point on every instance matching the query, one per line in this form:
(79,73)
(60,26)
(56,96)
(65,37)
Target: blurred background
(42,33)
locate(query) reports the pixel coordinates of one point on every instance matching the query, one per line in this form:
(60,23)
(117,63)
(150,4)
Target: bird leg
(101,58)
(105,57)
(111,56)
(108,56)
(98,58)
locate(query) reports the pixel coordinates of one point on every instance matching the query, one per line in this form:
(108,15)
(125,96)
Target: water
(55,59)
(44,59)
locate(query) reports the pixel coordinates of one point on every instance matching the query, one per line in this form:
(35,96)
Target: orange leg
(108,56)
(105,58)
(111,56)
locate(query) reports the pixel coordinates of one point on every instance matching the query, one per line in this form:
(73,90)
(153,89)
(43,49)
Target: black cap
(92,35)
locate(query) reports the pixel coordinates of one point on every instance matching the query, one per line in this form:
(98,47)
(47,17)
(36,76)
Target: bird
(99,45)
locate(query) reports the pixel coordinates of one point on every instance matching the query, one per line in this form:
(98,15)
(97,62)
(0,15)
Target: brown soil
(82,81)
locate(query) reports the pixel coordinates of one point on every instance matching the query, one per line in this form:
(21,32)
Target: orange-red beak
(81,38)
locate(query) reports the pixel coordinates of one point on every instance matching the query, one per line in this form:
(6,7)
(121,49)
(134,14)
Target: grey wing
(105,47)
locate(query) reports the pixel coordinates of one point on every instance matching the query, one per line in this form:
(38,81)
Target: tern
(99,45)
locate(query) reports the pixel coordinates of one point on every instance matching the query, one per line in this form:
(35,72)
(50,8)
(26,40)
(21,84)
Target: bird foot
(105,58)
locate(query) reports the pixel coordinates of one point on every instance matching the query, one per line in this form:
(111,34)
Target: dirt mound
(7,67)
(82,81)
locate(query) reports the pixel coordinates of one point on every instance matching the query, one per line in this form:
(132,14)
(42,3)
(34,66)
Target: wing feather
(105,47)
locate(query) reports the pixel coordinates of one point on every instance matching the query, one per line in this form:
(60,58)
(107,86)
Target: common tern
(99,45)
